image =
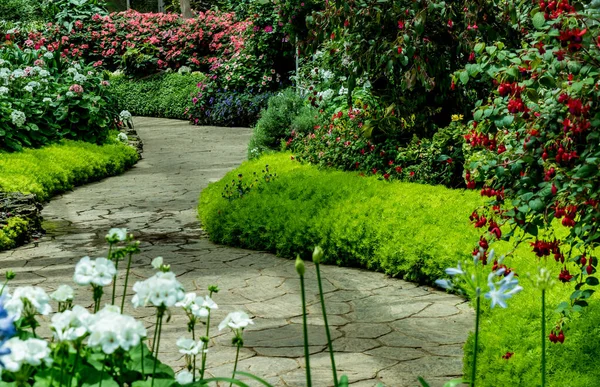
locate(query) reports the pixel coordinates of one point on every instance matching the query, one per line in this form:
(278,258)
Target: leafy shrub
(13,233)
(66,13)
(20,10)
(275,123)
(404,229)
(44,98)
(226,107)
(359,221)
(59,167)
(342,144)
(161,95)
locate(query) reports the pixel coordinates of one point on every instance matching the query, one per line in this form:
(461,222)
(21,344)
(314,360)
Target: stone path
(385,330)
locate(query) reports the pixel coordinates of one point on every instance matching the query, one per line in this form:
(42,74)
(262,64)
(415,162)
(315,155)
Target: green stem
(194,358)
(237,356)
(74,364)
(475,345)
(160,318)
(204,350)
(543,337)
(3,286)
(114,289)
(306,354)
(142,355)
(126,282)
(335,379)
(102,373)
(62,370)
(155,334)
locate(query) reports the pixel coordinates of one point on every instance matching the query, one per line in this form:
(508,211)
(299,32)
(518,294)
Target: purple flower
(268,29)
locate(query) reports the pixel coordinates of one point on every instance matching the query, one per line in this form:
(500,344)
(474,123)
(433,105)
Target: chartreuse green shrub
(58,167)
(358,221)
(161,95)
(13,232)
(404,229)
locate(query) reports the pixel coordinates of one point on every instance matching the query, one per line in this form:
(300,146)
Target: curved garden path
(385,330)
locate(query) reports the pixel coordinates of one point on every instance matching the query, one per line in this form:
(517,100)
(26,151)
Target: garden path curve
(385,330)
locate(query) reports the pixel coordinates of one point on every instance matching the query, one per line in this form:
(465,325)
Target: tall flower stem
(476,343)
(237,356)
(306,352)
(194,357)
(335,379)
(142,355)
(126,282)
(103,368)
(159,318)
(204,350)
(97,291)
(77,348)
(543,337)
(114,289)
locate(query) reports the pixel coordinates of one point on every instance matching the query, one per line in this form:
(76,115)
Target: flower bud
(300,266)
(317,255)
(10,275)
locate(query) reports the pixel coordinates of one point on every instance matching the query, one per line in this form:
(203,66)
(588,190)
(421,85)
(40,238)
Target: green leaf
(547,81)
(592,281)
(479,47)
(539,21)
(536,205)
(586,170)
(157,383)
(478,115)
(423,382)
(464,77)
(491,49)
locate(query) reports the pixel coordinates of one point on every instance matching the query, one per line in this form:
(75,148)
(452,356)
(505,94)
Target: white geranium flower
(187,302)
(189,347)
(18,118)
(32,352)
(98,272)
(235,321)
(110,330)
(71,324)
(119,234)
(157,262)
(64,293)
(160,290)
(184,377)
(36,297)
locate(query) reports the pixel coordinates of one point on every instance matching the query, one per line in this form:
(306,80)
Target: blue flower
(503,289)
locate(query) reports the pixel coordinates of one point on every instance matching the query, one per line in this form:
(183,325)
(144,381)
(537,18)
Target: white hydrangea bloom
(64,293)
(18,118)
(18,73)
(80,78)
(162,289)
(122,137)
(31,352)
(98,272)
(35,295)
(71,324)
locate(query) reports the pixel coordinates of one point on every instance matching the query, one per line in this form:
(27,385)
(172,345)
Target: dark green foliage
(20,10)
(13,233)
(285,113)
(162,95)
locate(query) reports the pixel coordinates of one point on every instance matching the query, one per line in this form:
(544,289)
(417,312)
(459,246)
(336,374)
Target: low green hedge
(161,95)
(13,233)
(59,167)
(404,229)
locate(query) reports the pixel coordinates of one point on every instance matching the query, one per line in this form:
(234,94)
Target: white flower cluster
(119,234)
(197,306)
(72,324)
(72,71)
(184,70)
(31,352)
(343,91)
(189,347)
(47,100)
(64,293)
(236,321)
(327,94)
(111,330)
(34,296)
(79,78)
(18,118)
(3,90)
(99,272)
(160,290)
(49,55)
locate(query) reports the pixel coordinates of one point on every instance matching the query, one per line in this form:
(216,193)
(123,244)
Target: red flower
(450,23)
(400,24)
(507,355)
(564,275)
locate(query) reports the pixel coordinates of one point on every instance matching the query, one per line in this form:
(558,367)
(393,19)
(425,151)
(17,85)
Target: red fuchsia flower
(346,23)
(399,50)
(560,55)
(400,24)
(386,176)
(507,355)
(412,173)
(564,275)
(450,23)
(398,169)
(494,229)
(472,56)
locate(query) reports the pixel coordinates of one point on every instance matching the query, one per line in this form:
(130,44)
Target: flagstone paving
(384,330)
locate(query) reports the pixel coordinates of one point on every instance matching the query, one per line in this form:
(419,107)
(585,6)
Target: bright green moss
(408,230)
(59,167)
